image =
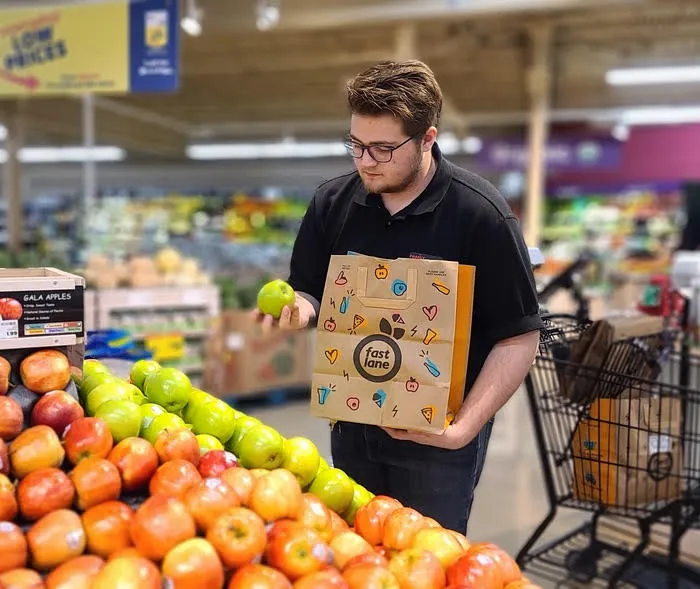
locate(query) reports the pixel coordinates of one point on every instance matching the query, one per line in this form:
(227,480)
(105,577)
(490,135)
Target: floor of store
(510,500)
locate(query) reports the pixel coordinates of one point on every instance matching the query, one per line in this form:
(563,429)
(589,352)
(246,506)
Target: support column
(12,177)
(539,90)
(89,166)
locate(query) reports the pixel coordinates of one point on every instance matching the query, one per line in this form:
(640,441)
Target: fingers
(268,323)
(290,318)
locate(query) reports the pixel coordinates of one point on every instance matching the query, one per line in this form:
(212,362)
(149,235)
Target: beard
(381,185)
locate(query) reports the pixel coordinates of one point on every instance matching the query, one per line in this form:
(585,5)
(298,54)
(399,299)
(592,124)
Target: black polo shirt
(458,217)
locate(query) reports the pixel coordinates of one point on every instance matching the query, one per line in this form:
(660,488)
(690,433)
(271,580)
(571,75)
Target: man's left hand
(452,438)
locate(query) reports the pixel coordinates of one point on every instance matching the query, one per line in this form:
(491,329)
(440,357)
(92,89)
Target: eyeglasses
(379,153)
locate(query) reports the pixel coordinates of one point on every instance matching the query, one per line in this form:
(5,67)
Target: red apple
(330,579)
(55,538)
(348,545)
(4,458)
(215,462)
(85,437)
(276,495)
(75,574)
(401,528)
(21,579)
(238,536)
(35,448)
(241,481)
(258,576)
(136,460)
(11,418)
(375,558)
(177,443)
(128,572)
(108,528)
(5,371)
(174,478)
(96,480)
(415,568)
(194,564)
(161,523)
(13,547)
(8,500)
(510,571)
(371,517)
(45,370)
(10,309)
(57,409)
(475,570)
(368,576)
(314,514)
(296,550)
(208,500)
(44,491)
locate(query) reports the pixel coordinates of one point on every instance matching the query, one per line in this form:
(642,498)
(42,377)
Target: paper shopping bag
(392,341)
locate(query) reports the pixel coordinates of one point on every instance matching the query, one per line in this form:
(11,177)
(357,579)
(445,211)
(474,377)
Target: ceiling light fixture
(46,155)
(661,115)
(653,75)
(191,22)
(251,151)
(267,14)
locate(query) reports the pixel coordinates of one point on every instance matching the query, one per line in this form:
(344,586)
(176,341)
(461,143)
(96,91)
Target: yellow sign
(165,347)
(66,49)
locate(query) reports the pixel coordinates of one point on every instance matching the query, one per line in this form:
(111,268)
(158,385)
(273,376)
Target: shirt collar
(428,200)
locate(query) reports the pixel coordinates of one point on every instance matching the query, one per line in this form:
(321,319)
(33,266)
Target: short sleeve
(505,296)
(310,254)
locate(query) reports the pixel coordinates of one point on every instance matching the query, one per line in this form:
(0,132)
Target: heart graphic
(430,312)
(342,280)
(332,355)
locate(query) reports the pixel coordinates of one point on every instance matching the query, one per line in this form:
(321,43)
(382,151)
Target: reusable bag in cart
(392,341)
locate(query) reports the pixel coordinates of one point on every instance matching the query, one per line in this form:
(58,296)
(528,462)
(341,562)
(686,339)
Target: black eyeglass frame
(350,146)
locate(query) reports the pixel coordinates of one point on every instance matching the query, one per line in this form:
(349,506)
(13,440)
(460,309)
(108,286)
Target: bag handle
(387,303)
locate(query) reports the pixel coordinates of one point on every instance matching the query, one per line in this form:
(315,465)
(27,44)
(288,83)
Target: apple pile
(151,483)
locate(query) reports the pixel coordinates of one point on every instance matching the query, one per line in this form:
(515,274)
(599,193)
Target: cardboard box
(40,309)
(241,360)
(628,451)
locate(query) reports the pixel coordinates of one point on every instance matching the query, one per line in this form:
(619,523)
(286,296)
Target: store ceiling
(239,83)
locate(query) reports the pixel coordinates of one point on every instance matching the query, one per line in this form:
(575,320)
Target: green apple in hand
(141,369)
(207,443)
(123,417)
(243,424)
(161,422)
(334,488)
(169,387)
(302,459)
(275,296)
(261,447)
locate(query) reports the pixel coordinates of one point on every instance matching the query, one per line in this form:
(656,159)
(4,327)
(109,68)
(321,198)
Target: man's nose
(367,160)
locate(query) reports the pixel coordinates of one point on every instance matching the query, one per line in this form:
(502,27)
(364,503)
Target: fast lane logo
(377,357)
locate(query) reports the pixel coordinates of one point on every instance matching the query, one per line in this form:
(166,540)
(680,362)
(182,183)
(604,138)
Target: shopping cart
(617,436)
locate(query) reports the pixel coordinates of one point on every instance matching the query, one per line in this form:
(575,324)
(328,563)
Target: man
(406,200)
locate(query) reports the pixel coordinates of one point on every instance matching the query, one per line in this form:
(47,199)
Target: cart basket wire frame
(616,436)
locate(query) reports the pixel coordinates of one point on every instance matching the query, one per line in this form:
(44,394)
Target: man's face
(384,132)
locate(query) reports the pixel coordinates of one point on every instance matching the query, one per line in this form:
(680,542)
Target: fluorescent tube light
(653,75)
(36,155)
(250,151)
(3,132)
(661,115)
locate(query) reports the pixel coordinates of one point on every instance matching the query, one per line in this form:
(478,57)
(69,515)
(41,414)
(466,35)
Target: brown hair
(407,90)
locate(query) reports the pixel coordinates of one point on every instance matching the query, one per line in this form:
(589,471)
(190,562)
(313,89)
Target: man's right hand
(297,316)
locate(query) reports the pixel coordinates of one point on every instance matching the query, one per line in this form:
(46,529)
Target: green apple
(161,422)
(92,366)
(323,465)
(149,411)
(360,497)
(302,459)
(112,390)
(261,447)
(243,424)
(141,369)
(93,381)
(334,488)
(213,417)
(275,296)
(169,387)
(123,418)
(207,442)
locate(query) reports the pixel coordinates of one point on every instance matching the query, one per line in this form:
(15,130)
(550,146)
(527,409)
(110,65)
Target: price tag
(166,347)
(9,329)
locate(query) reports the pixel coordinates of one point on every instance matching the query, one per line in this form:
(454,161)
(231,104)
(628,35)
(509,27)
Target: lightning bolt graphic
(346,375)
(414,330)
(332,303)
(395,410)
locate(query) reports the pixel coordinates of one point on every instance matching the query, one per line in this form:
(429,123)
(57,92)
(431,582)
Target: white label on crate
(659,444)
(235,341)
(192,297)
(9,329)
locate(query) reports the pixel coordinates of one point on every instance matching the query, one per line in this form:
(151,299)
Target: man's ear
(429,138)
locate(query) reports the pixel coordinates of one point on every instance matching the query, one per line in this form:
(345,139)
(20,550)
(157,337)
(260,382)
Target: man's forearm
(503,372)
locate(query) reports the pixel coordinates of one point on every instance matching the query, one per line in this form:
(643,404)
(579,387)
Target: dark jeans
(438,483)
